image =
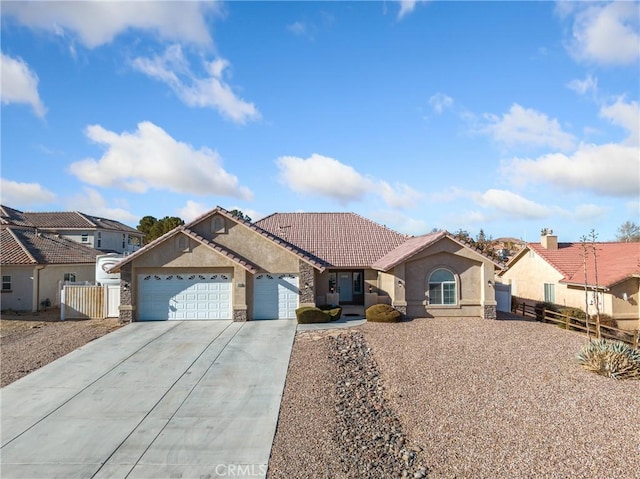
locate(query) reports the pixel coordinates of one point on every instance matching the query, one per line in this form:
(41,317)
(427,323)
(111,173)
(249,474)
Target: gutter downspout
(35,302)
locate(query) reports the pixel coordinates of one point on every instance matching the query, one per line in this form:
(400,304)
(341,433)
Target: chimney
(548,240)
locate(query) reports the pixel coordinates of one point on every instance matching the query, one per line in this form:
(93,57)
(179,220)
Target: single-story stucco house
(35,264)
(221,267)
(555,272)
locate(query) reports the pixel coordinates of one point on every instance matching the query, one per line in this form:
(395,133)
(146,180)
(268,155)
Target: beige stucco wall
(407,283)
(21,294)
(529,274)
(171,257)
(52,275)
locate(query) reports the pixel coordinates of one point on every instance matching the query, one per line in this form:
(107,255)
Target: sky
(508,117)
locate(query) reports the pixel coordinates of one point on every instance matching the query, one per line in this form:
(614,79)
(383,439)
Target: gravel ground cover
(28,341)
(479,399)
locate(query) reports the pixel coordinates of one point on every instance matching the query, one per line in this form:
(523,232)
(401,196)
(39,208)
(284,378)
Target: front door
(345,287)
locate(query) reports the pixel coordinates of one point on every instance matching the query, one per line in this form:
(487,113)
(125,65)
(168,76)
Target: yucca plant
(612,359)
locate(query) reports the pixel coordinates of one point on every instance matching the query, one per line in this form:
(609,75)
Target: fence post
(524,308)
(567,320)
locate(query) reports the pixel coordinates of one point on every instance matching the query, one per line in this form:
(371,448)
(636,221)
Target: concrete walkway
(192,399)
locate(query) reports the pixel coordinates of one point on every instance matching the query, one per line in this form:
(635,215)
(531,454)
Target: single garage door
(275,296)
(184,296)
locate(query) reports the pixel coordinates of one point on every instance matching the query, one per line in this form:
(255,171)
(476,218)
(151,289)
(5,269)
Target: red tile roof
(20,246)
(615,261)
(342,240)
(61,220)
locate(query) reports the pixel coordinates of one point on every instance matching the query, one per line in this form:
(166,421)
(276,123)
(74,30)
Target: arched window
(442,287)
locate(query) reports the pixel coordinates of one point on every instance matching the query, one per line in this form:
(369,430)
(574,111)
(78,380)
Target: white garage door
(275,296)
(184,296)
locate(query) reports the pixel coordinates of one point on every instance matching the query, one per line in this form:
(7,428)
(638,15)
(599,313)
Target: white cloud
(97,23)
(192,210)
(210,91)
(297,28)
(16,194)
(588,212)
(407,7)
(610,169)
(512,205)
(626,115)
(20,84)
(92,202)
(582,87)
(606,33)
(323,176)
(440,102)
(525,126)
(400,197)
(151,158)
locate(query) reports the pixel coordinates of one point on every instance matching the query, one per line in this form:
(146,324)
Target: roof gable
(339,239)
(244,262)
(417,244)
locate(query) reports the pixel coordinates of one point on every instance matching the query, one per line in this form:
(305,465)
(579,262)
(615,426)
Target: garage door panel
(275,296)
(184,296)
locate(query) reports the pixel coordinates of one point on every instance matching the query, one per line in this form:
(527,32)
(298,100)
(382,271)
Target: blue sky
(505,116)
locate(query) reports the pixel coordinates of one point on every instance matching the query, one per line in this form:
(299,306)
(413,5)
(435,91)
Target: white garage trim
(184,296)
(275,296)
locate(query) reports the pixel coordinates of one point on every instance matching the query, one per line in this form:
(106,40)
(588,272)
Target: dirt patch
(28,341)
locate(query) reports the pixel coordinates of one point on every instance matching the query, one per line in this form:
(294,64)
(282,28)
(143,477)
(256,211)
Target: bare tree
(585,255)
(596,297)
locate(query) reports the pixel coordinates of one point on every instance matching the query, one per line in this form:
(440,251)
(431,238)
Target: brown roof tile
(616,261)
(342,240)
(61,220)
(25,246)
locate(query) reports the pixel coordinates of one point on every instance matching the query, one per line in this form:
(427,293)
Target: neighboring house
(222,267)
(100,233)
(34,264)
(555,272)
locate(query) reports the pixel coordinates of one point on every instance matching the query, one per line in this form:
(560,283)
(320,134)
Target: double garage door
(209,296)
(184,296)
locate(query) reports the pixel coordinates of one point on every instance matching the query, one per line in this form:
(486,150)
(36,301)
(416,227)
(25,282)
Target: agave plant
(612,359)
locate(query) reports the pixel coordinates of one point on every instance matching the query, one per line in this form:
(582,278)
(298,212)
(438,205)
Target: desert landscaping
(437,398)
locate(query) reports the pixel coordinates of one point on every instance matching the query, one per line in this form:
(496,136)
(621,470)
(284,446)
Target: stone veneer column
(126,306)
(307,277)
(240,315)
(490,312)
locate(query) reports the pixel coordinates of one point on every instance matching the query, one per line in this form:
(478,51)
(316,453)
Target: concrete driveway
(190,399)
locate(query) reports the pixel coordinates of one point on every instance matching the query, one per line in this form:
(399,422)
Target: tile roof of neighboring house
(343,240)
(615,261)
(61,220)
(20,246)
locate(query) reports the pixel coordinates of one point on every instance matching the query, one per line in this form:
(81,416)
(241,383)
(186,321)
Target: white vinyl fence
(89,302)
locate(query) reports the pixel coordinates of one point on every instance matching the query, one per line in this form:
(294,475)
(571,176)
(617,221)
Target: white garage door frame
(184,296)
(276,296)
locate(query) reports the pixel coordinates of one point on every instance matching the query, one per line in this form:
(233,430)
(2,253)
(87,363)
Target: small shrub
(334,312)
(544,306)
(310,315)
(574,313)
(611,359)
(383,313)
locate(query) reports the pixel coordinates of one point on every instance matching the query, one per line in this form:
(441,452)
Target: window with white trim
(84,238)
(550,293)
(442,287)
(6,283)
(70,277)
